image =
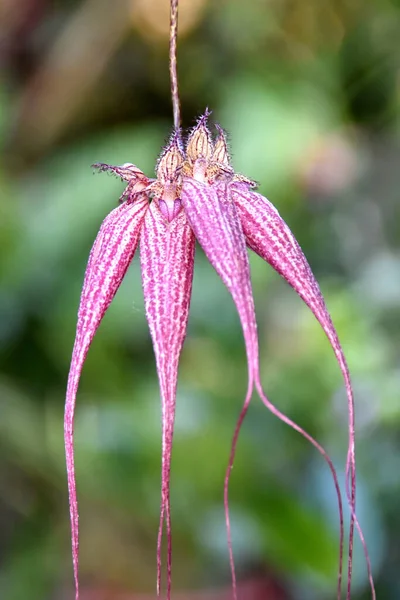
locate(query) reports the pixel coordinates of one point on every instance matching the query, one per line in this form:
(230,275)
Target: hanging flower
(196,195)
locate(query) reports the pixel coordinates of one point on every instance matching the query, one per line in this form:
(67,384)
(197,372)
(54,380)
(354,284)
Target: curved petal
(167,259)
(213,217)
(109,259)
(270,237)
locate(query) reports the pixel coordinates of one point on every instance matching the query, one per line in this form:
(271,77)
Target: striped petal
(167,259)
(269,236)
(214,219)
(109,259)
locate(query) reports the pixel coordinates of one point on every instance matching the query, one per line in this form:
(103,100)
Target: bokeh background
(310,93)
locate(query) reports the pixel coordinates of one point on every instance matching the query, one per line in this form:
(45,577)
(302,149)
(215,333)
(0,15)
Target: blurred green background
(310,93)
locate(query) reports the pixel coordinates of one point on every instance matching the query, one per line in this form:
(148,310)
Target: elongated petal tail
(167,259)
(215,221)
(109,259)
(269,236)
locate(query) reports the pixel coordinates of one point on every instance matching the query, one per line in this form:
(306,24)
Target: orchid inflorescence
(196,196)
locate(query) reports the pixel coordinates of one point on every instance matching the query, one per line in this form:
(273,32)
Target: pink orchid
(196,195)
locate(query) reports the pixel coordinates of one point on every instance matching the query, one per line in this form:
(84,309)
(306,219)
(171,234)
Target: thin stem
(351,496)
(271,407)
(226,483)
(173,35)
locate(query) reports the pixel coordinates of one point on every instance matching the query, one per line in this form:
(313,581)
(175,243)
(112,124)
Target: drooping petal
(214,219)
(109,259)
(167,259)
(270,237)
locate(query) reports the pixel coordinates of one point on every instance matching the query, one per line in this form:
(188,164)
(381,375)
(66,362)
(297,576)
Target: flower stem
(173,35)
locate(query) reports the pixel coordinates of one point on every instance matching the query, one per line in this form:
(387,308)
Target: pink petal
(167,259)
(269,236)
(109,259)
(214,219)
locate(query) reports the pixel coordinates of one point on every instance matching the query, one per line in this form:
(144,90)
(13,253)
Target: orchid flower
(196,195)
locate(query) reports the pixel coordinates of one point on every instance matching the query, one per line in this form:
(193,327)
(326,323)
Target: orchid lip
(170,208)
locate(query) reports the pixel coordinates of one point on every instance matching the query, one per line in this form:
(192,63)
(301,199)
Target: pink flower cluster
(196,195)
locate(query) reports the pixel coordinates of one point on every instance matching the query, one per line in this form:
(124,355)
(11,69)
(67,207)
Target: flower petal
(109,259)
(269,236)
(167,260)
(136,179)
(214,219)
